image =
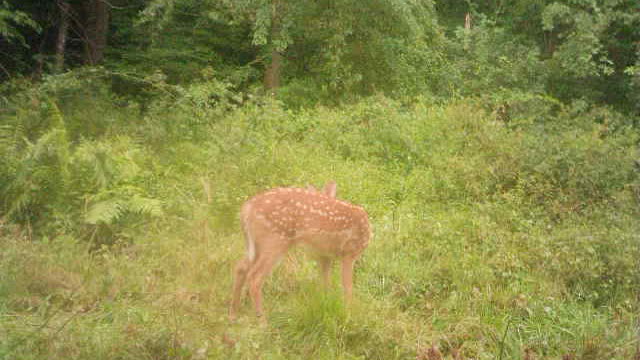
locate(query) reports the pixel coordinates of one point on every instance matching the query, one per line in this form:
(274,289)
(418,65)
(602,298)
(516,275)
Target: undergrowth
(494,236)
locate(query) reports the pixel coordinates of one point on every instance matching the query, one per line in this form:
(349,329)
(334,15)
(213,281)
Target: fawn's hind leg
(239,278)
(261,268)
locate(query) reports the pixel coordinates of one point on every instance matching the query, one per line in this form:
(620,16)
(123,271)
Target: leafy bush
(487,59)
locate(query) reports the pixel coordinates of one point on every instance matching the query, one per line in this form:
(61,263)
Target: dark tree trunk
(96,30)
(61,40)
(39,68)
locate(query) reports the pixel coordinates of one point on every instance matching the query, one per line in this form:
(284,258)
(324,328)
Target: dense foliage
(498,161)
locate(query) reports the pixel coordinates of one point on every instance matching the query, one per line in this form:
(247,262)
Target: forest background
(493,143)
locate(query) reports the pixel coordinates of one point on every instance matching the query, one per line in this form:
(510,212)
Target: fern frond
(109,211)
(60,140)
(145,206)
(99,158)
(55,116)
(19,204)
(106,212)
(44,147)
(6,136)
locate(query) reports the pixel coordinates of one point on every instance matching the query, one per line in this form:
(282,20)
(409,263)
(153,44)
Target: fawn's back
(328,226)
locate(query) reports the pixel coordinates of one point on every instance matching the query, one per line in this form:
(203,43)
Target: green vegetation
(500,174)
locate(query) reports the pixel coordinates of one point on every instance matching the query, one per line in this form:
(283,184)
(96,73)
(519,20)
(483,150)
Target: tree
(596,43)
(586,44)
(56,34)
(61,40)
(386,46)
(346,46)
(271,21)
(10,22)
(96,29)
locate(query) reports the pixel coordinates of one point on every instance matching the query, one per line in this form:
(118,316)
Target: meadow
(496,237)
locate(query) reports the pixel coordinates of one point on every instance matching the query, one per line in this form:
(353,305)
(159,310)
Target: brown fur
(278,219)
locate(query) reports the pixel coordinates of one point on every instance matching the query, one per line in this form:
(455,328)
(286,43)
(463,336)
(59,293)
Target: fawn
(278,219)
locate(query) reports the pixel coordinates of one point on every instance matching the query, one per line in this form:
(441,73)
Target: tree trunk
(96,29)
(39,68)
(61,40)
(272,72)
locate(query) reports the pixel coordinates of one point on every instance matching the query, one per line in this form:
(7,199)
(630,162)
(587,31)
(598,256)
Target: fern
(145,206)
(99,159)
(106,212)
(7,138)
(111,210)
(61,142)
(20,204)
(38,176)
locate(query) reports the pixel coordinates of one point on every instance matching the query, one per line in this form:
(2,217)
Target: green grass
(490,238)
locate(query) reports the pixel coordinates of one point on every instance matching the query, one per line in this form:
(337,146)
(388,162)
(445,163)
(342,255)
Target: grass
(485,245)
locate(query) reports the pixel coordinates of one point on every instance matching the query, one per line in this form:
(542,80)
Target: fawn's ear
(330,189)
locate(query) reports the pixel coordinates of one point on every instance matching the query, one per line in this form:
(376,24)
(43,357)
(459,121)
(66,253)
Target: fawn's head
(330,189)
